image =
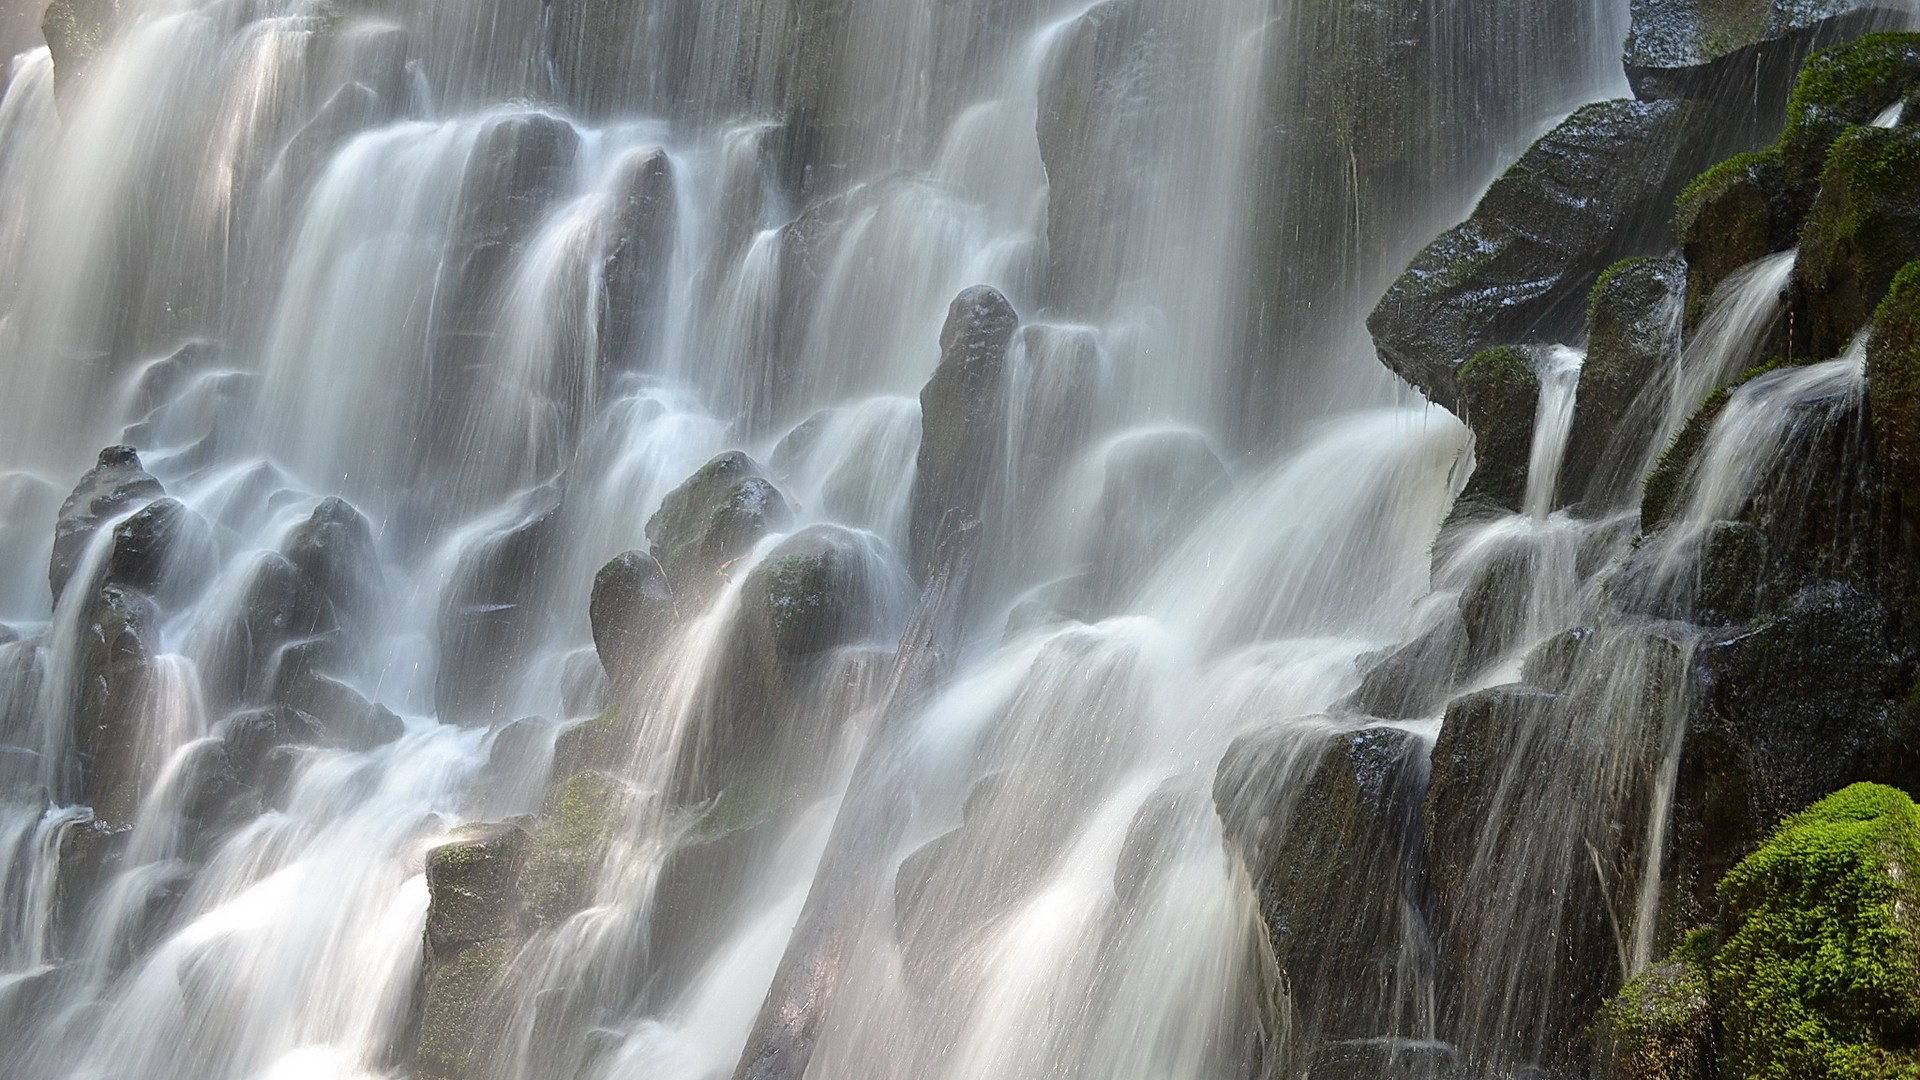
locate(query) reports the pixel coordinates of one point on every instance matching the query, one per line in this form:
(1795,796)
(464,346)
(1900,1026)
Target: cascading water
(402,705)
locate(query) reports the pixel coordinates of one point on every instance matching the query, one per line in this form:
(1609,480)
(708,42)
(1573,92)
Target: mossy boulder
(473,880)
(1863,227)
(1660,1025)
(1819,976)
(1327,824)
(1666,483)
(1893,383)
(567,846)
(1737,48)
(963,419)
(1499,398)
(457,1013)
(630,606)
(711,520)
(1732,214)
(76,32)
(1633,327)
(1588,193)
(1838,89)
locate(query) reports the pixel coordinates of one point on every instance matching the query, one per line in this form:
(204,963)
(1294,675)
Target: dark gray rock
(493,612)
(1633,332)
(1518,271)
(963,418)
(710,521)
(347,719)
(335,550)
(113,486)
(631,604)
(634,269)
(1746,50)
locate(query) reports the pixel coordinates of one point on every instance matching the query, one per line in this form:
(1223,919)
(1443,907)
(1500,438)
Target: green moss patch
(564,855)
(1893,382)
(1840,88)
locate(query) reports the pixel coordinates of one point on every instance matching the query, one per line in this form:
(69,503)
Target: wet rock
(1893,384)
(1734,213)
(473,882)
(492,614)
(1157,487)
(279,607)
(1807,698)
(1839,89)
(1733,573)
(458,1012)
(636,263)
(812,593)
(703,882)
(1108,82)
(1330,833)
(963,411)
(1864,226)
(1499,395)
(252,738)
(1158,835)
(1633,332)
(334,548)
(1553,664)
(1745,52)
(1416,679)
(1384,1058)
(349,720)
(353,108)
(1660,1025)
(1666,484)
(1593,190)
(590,744)
(112,487)
(709,522)
(584,689)
(165,550)
(76,31)
(631,604)
(115,667)
(568,844)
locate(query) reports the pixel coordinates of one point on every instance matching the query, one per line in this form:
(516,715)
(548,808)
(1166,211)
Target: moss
(1820,973)
(1863,228)
(453,1011)
(1838,89)
(1893,382)
(598,742)
(1730,215)
(1499,395)
(566,849)
(1667,481)
(1660,1025)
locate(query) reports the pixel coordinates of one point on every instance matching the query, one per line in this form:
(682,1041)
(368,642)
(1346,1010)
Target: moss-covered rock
(1819,976)
(1863,227)
(1734,47)
(566,847)
(1893,383)
(712,519)
(1329,833)
(1499,397)
(1660,1025)
(1632,333)
(1730,215)
(1519,269)
(76,31)
(456,1006)
(630,606)
(1842,88)
(473,882)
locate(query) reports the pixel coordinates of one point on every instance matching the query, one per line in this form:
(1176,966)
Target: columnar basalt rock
(963,419)
(1633,336)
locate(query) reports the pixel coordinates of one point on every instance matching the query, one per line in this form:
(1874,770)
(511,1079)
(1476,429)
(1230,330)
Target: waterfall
(779,538)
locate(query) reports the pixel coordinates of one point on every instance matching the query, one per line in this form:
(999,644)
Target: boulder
(963,418)
(345,718)
(1842,88)
(279,608)
(1329,831)
(1633,334)
(637,260)
(712,520)
(115,485)
(565,849)
(1660,1025)
(1499,396)
(1591,191)
(334,548)
(1893,384)
(492,613)
(1745,51)
(473,882)
(1156,487)
(164,549)
(631,604)
(1734,213)
(115,664)
(1416,679)
(1863,227)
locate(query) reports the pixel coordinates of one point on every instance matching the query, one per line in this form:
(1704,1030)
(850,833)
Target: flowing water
(502,277)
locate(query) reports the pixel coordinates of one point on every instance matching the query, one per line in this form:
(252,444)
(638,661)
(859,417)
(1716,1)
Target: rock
(631,604)
(1416,679)
(1329,831)
(566,847)
(1107,84)
(473,880)
(1839,89)
(1734,213)
(584,690)
(1633,333)
(814,592)
(334,548)
(279,607)
(1893,384)
(1802,701)
(164,549)
(711,521)
(250,738)
(347,719)
(457,1012)
(1660,1025)
(76,32)
(1864,226)
(112,487)
(1733,573)
(634,268)
(963,418)
(1665,487)
(1384,1058)
(114,668)
(1156,487)
(1744,52)
(1819,974)
(1518,270)
(492,613)
(1499,395)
